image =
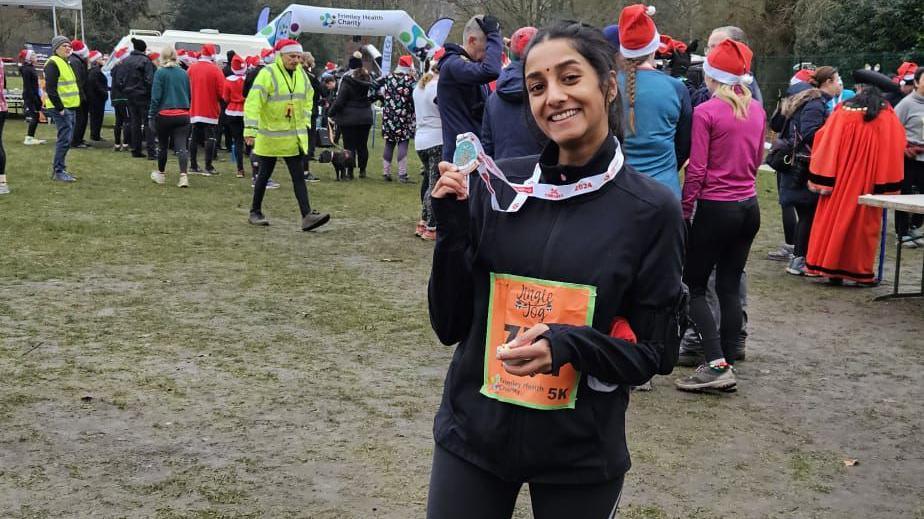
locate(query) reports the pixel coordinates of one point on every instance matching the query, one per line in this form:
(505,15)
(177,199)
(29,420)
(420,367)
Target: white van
(242,44)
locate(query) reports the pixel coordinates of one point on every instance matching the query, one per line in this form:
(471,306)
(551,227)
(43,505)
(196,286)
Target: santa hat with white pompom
(638,35)
(729,62)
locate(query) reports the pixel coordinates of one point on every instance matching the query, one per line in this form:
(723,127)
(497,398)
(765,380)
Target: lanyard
(285,79)
(470,155)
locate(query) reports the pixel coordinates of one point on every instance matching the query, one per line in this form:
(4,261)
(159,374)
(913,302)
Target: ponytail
(738,96)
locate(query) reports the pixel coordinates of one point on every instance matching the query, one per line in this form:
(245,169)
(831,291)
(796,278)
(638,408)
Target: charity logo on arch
(328,20)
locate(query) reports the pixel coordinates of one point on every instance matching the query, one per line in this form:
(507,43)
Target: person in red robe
(858,151)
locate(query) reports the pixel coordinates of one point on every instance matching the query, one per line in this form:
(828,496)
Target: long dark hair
(869,99)
(590,43)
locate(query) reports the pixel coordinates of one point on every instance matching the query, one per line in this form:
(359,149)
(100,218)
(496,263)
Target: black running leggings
(294,164)
(355,139)
(460,490)
(31,111)
(203,134)
(2,151)
(806,214)
(122,131)
(720,239)
(177,128)
(235,123)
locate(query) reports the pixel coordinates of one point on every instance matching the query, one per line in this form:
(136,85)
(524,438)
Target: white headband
(288,49)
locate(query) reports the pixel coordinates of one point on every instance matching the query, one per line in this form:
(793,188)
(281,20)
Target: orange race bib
(517,304)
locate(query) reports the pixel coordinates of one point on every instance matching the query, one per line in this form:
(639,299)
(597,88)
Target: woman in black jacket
(31,100)
(352,110)
(805,113)
(97,95)
(562,293)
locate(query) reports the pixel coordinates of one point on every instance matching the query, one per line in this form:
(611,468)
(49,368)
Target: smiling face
(566,97)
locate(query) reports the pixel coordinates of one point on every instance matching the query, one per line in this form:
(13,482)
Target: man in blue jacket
(464,76)
(504,132)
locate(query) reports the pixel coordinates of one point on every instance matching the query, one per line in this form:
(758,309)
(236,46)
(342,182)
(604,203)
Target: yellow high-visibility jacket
(68,90)
(277,111)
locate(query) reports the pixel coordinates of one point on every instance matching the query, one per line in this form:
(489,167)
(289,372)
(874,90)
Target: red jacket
(233,95)
(205,82)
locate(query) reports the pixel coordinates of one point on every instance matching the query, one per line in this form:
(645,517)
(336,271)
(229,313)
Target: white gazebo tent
(54,5)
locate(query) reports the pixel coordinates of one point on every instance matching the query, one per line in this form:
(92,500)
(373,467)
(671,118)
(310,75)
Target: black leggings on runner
(806,214)
(176,128)
(235,123)
(355,139)
(460,490)
(122,131)
(720,239)
(294,164)
(2,151)
(205,134)
(32,117)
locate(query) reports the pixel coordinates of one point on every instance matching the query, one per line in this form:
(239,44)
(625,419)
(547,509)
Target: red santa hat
(638,35)
(267,55)
(670,46)
(80,49)
(238,66)
(26,55)
(330,66)
(208,52)
(288,46)
(438,54)
(729,62)
(520,39)
(405,61)
(802,76)
(906,71)
(94,56)
(154,56)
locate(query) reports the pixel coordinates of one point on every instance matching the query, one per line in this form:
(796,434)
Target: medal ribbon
(468,145)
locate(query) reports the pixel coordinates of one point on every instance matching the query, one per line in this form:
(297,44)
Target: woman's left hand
(527,356)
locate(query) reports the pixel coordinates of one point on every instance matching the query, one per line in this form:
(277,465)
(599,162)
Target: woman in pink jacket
(4,189)
(720,205)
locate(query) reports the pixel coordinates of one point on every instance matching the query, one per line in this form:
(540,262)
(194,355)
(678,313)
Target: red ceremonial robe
(852,157)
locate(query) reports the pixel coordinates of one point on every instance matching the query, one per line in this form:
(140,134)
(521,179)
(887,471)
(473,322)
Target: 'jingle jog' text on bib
(517,304)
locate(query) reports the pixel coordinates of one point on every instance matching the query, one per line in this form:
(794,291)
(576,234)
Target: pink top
(3,106)
(724,154)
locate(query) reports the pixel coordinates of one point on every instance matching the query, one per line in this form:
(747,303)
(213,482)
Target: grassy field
(161,358)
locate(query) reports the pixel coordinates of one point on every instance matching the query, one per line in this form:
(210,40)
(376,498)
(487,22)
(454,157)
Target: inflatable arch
(297,19)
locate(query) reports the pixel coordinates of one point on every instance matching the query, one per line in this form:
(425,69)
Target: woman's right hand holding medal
(451,182)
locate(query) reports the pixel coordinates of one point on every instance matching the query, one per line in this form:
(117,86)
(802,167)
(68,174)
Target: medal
(486,167)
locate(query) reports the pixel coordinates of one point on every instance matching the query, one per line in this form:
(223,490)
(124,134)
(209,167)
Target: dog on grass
(342,161)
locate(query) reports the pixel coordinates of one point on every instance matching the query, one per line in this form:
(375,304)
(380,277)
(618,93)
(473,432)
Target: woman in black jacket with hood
(352,110)
(805,114)
(562,292)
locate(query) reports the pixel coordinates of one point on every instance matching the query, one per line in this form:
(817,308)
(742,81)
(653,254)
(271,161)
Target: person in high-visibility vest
(277,118)
(63,98)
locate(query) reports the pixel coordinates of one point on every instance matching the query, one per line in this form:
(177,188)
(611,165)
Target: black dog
(342,161)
